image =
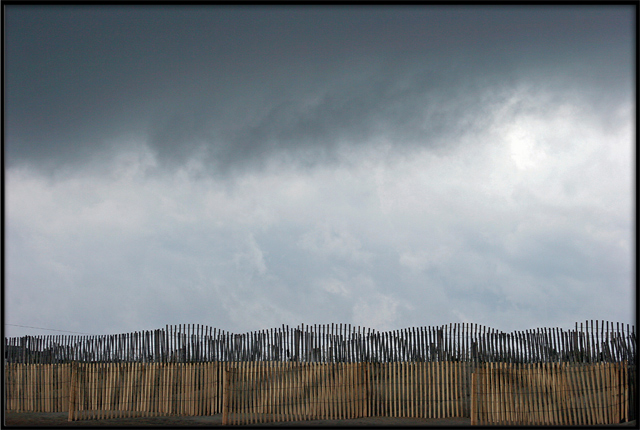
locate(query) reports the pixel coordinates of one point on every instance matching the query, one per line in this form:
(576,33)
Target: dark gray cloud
(247,83)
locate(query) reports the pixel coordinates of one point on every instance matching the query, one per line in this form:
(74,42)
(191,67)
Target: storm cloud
(245,167)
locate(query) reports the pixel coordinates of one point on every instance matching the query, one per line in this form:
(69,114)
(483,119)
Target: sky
(245,167)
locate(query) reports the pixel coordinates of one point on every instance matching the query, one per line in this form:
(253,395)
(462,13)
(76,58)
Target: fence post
(625,401)
(225,396)
(474,399)
(72,390)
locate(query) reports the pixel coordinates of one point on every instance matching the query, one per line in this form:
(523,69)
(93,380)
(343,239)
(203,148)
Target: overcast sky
(387,167)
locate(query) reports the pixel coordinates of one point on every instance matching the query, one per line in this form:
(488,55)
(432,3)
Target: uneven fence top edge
(588,342)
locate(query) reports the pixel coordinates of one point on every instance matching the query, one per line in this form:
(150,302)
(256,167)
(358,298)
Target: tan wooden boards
(549,394)
(289,391)
(110,390)
(256,392)
(276,391)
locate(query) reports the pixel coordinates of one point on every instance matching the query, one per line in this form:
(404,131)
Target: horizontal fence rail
(550,394)
(336,343)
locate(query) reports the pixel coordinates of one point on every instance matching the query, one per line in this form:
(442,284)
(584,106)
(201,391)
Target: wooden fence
(252,392)
(37,387)
(587,343)
(100,390)
(244,392)
(274,392)
(412,358)
(550,394)
(111,390)
(413,389)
